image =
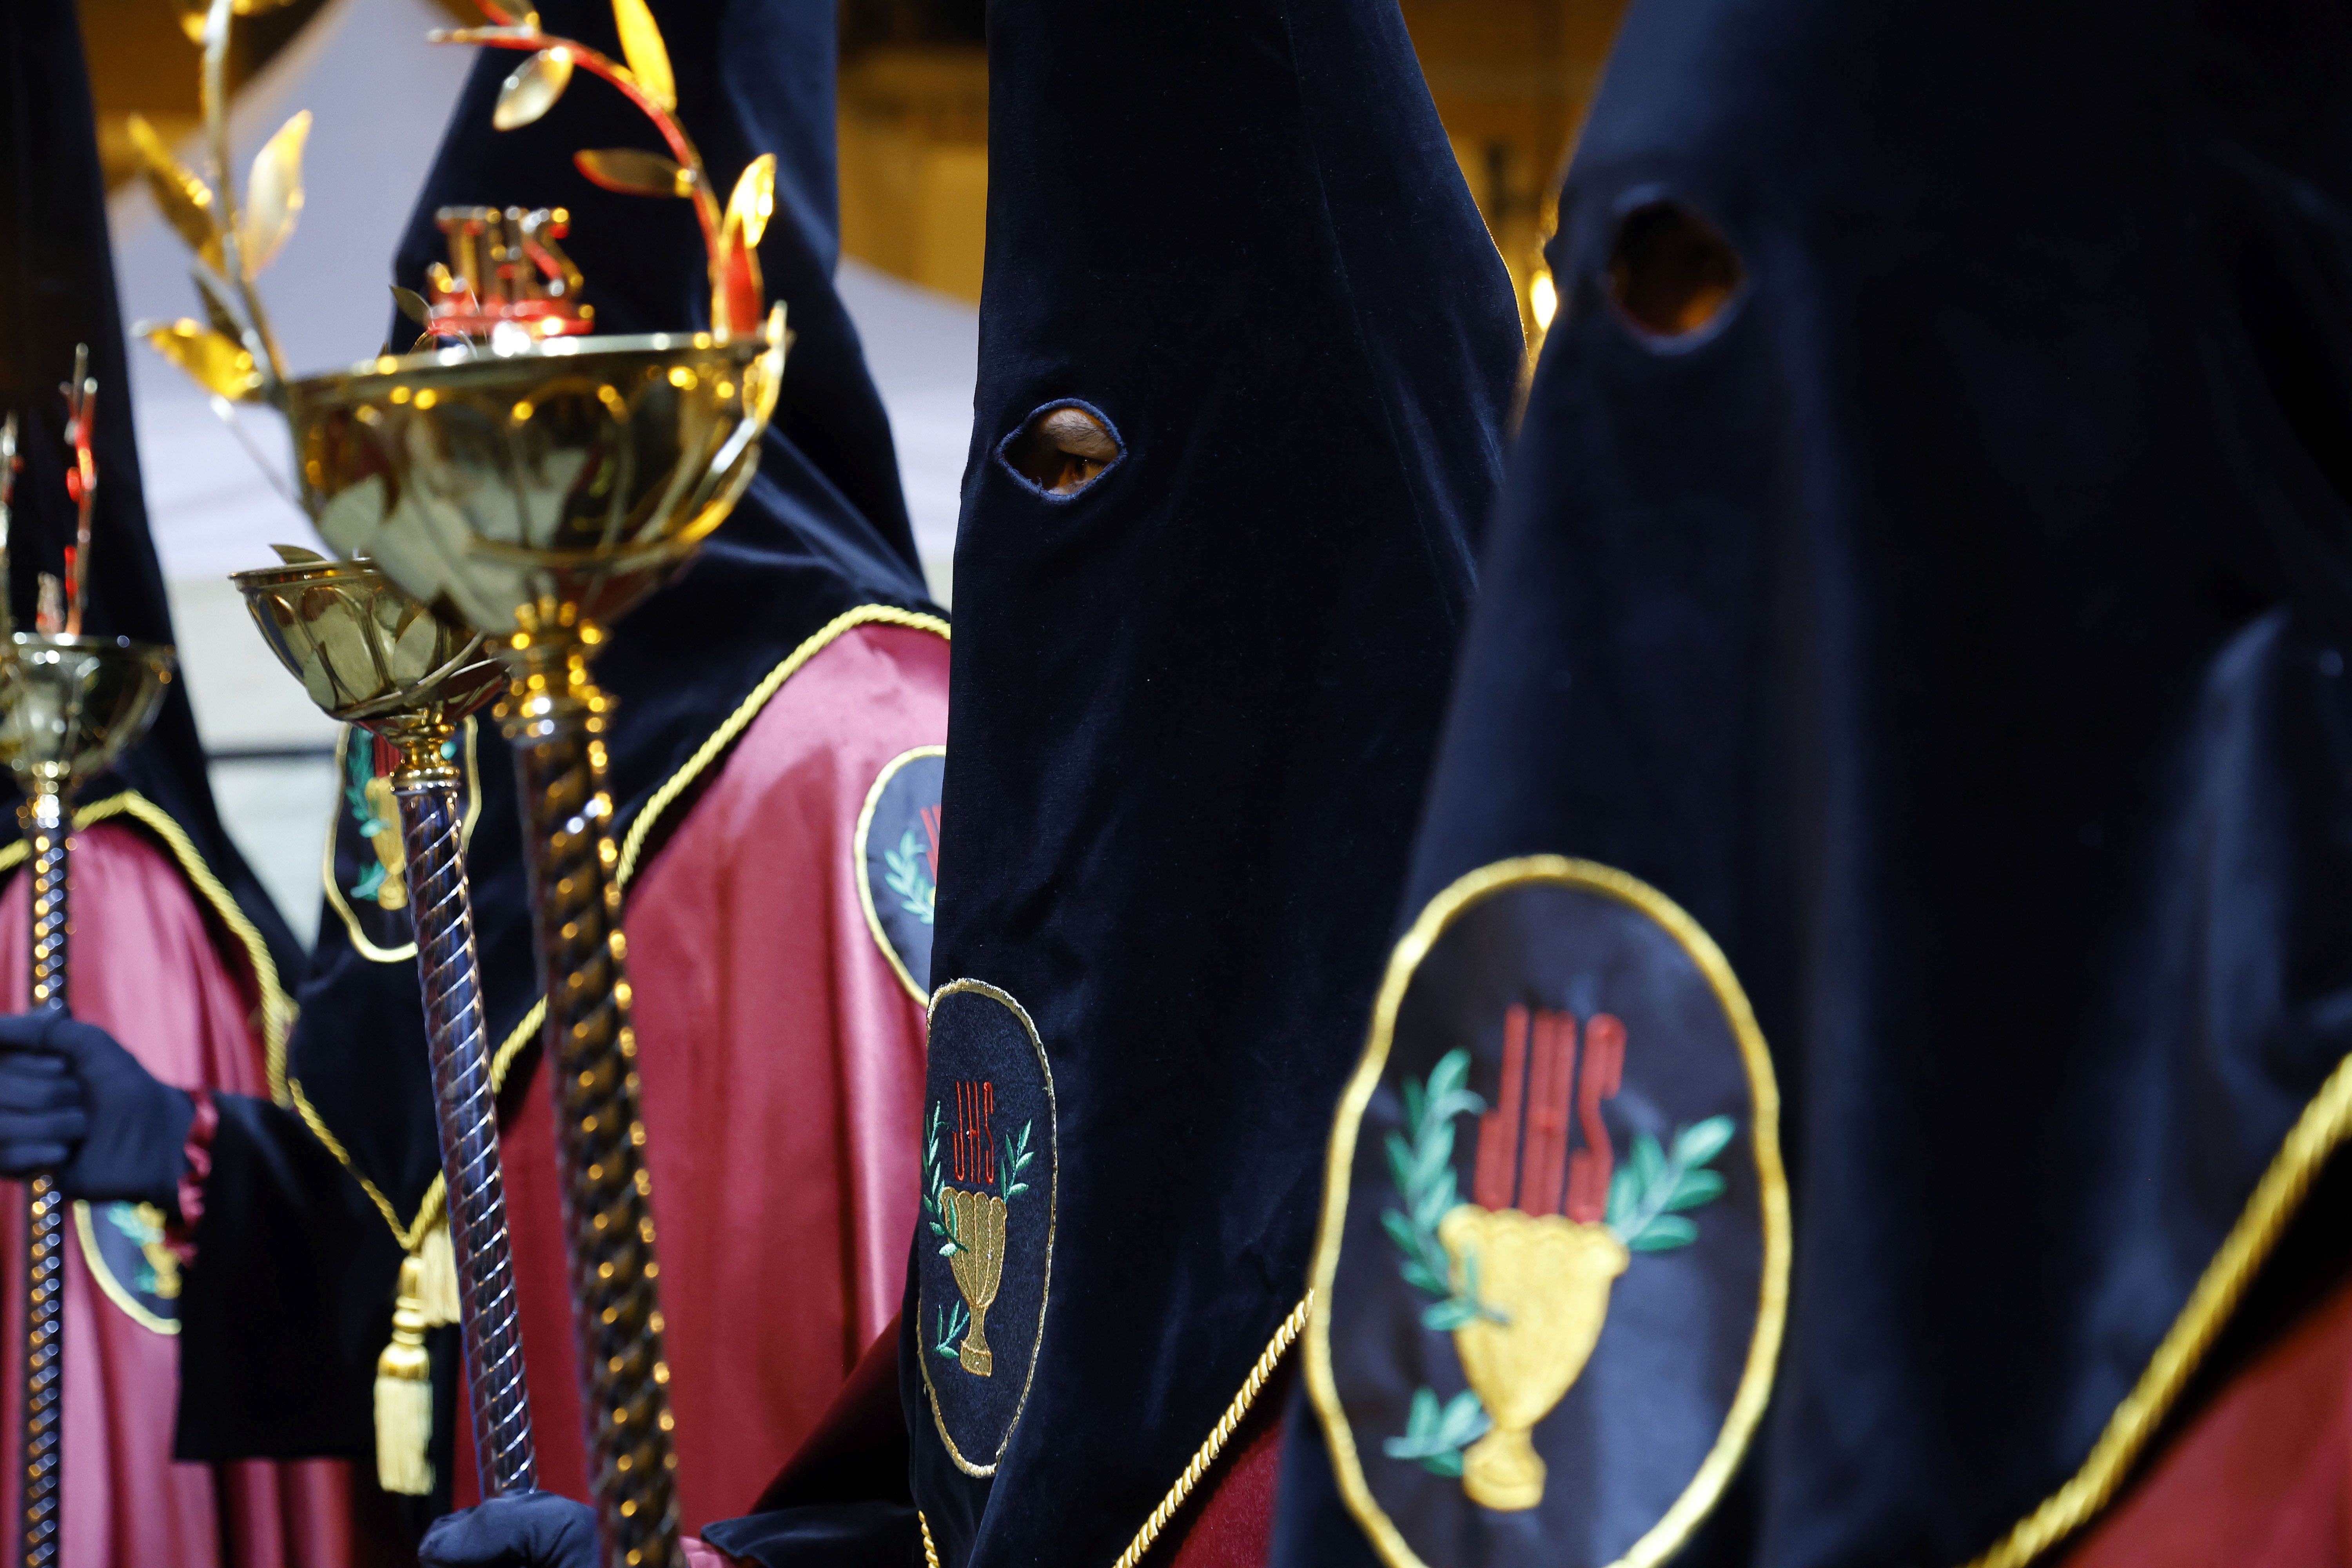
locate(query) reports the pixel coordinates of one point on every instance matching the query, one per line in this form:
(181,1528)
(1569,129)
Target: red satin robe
(150,965)
(780,1060)
(2262,1478)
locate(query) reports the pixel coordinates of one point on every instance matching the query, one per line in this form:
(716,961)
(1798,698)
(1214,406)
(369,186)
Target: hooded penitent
(173,947)
(1195,696)
(1918,611)
(774,763)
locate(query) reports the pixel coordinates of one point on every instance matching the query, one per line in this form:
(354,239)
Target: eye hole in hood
(1671,273)
(1062,449)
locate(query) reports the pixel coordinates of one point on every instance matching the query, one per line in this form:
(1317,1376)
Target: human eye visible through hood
(1062,449)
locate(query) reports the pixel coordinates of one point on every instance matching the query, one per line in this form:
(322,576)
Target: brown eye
(1062,449)
(1671,273)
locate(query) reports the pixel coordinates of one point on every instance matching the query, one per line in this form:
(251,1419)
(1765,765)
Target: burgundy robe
(153,965)
(2262,1478)
(781,1064)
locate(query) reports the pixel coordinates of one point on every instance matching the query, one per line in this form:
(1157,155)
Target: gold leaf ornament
(632,172)
(738,292)
(216,362)
(753,202)
(532,88)
(273,195)
(642,47)
(186,201)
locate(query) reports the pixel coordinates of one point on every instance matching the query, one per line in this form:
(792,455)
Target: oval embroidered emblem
(366,862)
(124,1246)
(1553,1264)
(984,1250)
(897,854)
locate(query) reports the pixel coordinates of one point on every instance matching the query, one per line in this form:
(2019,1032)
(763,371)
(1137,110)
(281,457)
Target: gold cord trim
(741,720)
(2324,1125)
(930,1553)
(1219,1435)
(277,1007)
(434,1203)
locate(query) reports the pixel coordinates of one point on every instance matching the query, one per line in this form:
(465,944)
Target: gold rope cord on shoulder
(930,1553)
(430,1208)
(1219,1435)
(2323,1126)
(277,1007)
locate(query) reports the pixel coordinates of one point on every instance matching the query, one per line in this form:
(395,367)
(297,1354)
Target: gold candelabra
(515,476)
(68,706)
(367,654)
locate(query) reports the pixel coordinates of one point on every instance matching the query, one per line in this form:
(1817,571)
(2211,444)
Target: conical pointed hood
(1927,565)
(1193,703)
(57,290)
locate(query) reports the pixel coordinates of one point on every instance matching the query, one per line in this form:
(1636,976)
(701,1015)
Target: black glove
(520,1530)
(74,1102)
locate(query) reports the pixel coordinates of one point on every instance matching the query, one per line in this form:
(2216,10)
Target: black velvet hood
(821,532)
(1955,627)
(1193,706)
(56,289)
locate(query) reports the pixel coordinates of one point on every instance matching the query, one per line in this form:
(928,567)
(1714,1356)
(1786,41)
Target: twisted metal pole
(556,717)
(42,817)
(467,1111)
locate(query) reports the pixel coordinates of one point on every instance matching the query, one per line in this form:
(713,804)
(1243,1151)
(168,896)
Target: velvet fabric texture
(1955,626)
(56,289)
(148,968)
(821,532)
(1193,705)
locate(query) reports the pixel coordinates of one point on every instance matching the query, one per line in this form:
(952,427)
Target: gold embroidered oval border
(1745,1409)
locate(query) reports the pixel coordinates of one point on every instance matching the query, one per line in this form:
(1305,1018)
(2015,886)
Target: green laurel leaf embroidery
(908,873)
(1016,1156)
(938,1214)
(1653,1185)
(359,752)
(1435,1434)
(951,1326)
(1421,1166)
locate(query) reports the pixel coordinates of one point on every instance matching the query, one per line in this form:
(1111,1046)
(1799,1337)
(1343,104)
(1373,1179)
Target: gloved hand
(74,1102)
(521,1530)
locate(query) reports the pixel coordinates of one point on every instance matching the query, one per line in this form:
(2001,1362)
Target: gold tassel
(438,1291)
(403,1393)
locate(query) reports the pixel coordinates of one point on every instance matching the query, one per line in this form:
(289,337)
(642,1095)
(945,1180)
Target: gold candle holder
(69,707)
(369,655)
(537,495)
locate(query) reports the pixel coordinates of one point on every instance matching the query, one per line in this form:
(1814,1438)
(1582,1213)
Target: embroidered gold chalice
(69,707)
(367,654)
(978,1264)
(1549,1276)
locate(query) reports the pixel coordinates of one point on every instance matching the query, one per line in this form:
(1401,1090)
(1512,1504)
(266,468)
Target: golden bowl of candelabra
(536,489)
(537,494)
(366,652)
(1547,1277)
(69,705)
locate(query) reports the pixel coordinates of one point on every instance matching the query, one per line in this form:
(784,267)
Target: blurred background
(1512,79)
